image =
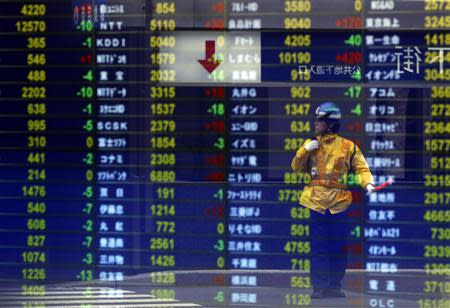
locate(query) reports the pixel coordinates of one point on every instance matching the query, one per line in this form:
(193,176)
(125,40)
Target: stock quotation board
(124,151)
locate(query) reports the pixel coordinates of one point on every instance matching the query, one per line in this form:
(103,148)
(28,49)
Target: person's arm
(301,157)
(361,168)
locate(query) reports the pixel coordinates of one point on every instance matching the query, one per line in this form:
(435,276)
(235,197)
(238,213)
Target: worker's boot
(318,293)
(334,292)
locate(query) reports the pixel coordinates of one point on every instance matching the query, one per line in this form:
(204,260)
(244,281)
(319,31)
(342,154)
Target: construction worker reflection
(328,158)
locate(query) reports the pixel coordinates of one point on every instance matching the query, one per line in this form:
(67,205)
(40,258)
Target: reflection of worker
(328,158)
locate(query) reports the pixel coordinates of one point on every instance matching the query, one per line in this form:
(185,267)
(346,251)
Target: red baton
(384,185)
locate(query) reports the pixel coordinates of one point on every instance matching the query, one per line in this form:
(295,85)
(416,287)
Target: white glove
(370,189)
(312,145)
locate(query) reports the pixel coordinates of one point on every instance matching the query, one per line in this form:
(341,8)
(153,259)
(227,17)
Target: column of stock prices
(128,156)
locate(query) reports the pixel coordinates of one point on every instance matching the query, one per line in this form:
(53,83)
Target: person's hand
(312,145)
(370,189)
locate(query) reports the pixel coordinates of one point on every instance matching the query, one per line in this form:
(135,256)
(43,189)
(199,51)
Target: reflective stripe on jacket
(329,166)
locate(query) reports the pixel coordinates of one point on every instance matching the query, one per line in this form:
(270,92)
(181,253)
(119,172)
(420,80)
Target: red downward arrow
(208,63)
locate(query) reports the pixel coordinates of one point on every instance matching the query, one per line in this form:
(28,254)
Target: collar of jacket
(328,137)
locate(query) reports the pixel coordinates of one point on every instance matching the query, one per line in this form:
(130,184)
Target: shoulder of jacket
(350,144)
(343,139)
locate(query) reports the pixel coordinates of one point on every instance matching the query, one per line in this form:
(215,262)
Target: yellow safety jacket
(328,166)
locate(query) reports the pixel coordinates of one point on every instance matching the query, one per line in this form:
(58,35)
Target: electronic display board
(124,153)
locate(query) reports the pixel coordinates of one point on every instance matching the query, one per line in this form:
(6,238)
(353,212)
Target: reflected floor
(232,288)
